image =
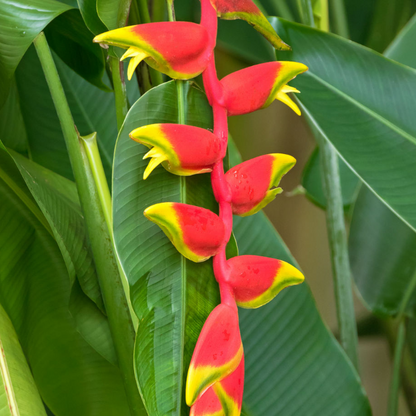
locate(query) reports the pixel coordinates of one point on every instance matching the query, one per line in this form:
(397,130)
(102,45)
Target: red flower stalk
(183,50)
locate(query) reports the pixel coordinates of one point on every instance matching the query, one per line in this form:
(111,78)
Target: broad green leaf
(403,47)
(72,378)
(382,247)
(20,22)
(57,197)
(382,252)
(113,13)
(172,297)
(311,181)
(344,93)
(88,9)
(72,41)
(92,109)
(18,392)
(12,128)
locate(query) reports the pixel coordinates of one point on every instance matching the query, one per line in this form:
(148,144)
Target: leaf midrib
(366,109)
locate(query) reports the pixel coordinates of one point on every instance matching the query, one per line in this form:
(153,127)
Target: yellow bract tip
(154,162)
(285,99)
(137,57)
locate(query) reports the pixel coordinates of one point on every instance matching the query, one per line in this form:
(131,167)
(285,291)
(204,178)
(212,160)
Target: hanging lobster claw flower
(218,352)
(265,82)
(224,398)
(248,11)
(251,182)
(197,233)
(181,50)
(182,150)
(257,280)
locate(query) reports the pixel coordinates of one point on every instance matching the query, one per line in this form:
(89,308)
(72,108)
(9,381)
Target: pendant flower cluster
(183,50)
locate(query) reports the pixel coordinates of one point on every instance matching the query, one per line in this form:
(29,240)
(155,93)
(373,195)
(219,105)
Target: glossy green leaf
(172,297)
(312,182)
(20,22)
(18,392)
(382,252)
(72,41)
(294,366)
(57,198)
(113,13)
(381,246)
(344,93)
(35,293)
(88,9)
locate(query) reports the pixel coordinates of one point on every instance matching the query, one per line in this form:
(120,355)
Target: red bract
(197,233)
(251,182)
(181,50)
(182,150)
(217,353)
(258,86)
(248,11)
(256,280)
(224,398)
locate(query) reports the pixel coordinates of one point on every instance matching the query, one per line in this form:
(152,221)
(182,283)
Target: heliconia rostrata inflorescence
(183,50)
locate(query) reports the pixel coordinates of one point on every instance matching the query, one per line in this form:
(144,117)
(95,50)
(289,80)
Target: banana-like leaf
(35,292)
(294,366)
(113,13)
(172,296)
(344,92)
(57,198)
(382,248)
(20,22)
(18,392)
(292,356)
(312,182)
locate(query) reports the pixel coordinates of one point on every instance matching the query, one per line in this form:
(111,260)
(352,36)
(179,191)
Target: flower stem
(106,264)
(337,237)
(339,248)
(119,90)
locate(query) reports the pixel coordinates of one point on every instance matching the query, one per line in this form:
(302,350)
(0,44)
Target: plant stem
(119,90)
(339,249)
(280,8)
(106,264)
(395,380)
(306,12)
(340,18)
(337,234)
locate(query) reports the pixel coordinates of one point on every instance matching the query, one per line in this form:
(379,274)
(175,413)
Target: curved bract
(257,86)
(251,182)
(181,50)
(197,233)
(217,353)
(248,11)
(257,280)
(224,398)
(182,150)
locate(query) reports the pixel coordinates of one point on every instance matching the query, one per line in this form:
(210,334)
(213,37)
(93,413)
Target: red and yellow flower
(224,398)
(248,11)
(267,82)
(182,150)
(218,352)
(251,182)
(256,280)
(197,233)
(181,50)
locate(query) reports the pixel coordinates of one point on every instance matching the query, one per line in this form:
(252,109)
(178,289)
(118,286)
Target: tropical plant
(99,313)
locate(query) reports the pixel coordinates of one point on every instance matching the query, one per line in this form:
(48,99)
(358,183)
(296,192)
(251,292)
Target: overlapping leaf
(35,292)
(382,248)
(362,103)
(18,391)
